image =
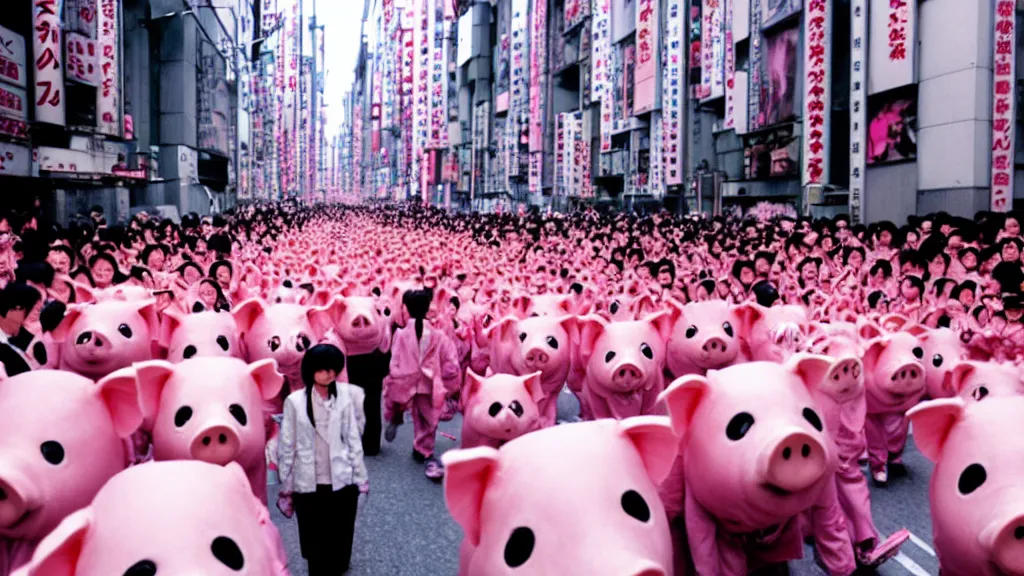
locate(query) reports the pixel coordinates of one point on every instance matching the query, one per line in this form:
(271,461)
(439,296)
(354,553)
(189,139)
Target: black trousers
(327,521)
(368,372)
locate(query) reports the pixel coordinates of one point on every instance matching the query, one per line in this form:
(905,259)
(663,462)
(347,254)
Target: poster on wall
(82,59)
(13,111)
(501,80)
(600,68)
(672,93)
(648,56)
(892,126)
(712,54)
(629,58)
(858,107)
(772,154)
(781,50)
(576,11)
(1004,56)
(817,110)
(15,160)
(891,45)
(48,89)
(108,95)
(776,11)
(12,58)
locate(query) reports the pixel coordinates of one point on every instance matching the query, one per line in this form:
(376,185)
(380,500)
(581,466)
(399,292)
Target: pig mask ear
(467,474)
(502,330)
(874,352)
(267,378)
(475,381)
(591,328)
(60,333)
(749,313)
(58,553)
(655,441)
(151,377)
(683,397)
(119,392)
(534,387)
(147,309)
(953,381)
(662,324)
(247,313)
(932,422)
(171,320)
(811,369)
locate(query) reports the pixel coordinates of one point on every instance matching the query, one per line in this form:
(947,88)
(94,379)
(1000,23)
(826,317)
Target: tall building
(879,108)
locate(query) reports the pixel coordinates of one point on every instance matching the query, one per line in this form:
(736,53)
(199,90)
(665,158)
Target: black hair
(417,302)
(883,266)
(874,297)
(765,293)
(968,285)
(917,283)
(35,272)
(317,358)
(148,251)
(181,269)
(221,264)
(18,296)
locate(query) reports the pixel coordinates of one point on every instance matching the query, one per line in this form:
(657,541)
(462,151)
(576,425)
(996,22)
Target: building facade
(878,108)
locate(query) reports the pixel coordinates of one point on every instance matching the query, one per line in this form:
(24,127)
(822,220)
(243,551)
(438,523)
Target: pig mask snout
(1005,539)
(17,499)
(628,376)
(907,379)
(537,358)
(217,444)
(794,463)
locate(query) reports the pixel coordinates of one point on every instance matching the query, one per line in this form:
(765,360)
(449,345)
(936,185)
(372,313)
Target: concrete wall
(892,192)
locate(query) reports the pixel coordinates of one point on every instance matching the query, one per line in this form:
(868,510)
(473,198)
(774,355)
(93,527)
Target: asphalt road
(403,527)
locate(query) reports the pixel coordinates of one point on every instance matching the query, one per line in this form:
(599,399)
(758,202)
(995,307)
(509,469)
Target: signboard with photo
(778,102)
(892,126)
(772,154)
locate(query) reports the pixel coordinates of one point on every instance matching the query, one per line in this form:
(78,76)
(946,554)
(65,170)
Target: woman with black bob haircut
(320,459)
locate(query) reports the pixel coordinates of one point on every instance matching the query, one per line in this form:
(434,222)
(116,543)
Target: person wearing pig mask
(166,518)
(500,408)
(761,457)
(705,336)
(97,339)
(424,365)
(573,499)
(56,455)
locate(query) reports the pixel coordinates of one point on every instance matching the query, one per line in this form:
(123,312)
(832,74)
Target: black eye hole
(608,357)
(142,568)
(918,352)
(189,352)
(522,336)
(239,413)
(691,332)
(739,426)
(971,479)
(228,553)
(812,417)
(635,505)
(516,408)
(647,351)
(125,330)
(183,415)
(287,283)
(274,343)
(728,329)
(614,308)
(553,342)
(222,341)
(52,451)
(979,393)
(387,311)
(494,409)
(519,547)
(198,307)
(937,360)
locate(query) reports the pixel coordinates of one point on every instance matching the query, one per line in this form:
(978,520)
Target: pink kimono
(422,373)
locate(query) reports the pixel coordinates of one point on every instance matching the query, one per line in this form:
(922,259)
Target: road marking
(922,544)
(911,566)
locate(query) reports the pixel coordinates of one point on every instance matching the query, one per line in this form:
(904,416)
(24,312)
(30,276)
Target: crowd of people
(408,309)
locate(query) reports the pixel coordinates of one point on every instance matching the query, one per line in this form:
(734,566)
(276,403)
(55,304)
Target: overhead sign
(48,90)
(817,88)
(1004,58)
(108,96)
(858,106)
(12,58)
(82,59)
(15,160)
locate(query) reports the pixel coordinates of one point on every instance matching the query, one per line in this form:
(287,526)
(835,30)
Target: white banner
(82,59)
(12,58)
(817,84)
(464,49)
(754,80)
(13,103)
(15,160)
(1004,57)
(712,83)
(672,93)
(49,66)
(108,96)
(858,107)
(892,41)
(730,67)
(600,66)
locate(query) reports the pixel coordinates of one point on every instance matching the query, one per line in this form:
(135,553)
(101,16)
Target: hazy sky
(341,20)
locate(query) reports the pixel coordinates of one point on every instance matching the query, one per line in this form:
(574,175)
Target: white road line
(911,566)
(922,544)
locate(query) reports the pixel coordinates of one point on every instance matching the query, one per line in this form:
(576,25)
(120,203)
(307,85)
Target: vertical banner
(657,186)
(12,58)
(712,83)
(892,44)
(671,94)
(730,68)
(108,96)
(858,106)
(1004,57)
(520,97)
(817,84)
(754,67)
(269,14)
(576,11)
(600,67)
(49,71)
(538,73)
(501,80)
(438,137)
(648,54)
(82,59)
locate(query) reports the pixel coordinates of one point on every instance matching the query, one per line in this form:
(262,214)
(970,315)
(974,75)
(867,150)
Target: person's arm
(286,448)
(358,402)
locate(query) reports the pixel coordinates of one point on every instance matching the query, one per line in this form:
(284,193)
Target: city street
(403,528)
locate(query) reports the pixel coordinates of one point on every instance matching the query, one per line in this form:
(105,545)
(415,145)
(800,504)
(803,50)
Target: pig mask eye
(239,413)
(614,308)
(52,452)
(971,479)
(691,332)
(516,408)
(522,336)
(125,330)
(647,351)
(519,547)
(739,426)
(142,568)
(937,360)
(727,328)
(553,342)
(494,409)
(182,416)
(635,505)
(274,343)
(609,357)
(222,341)
(979,393)
(227,553)
(918,352)
(812,417)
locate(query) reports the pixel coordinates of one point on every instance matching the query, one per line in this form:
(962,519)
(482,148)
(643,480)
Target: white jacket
(297,441)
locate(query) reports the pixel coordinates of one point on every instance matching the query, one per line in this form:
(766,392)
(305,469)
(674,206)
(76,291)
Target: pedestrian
(320,460)
(424,368)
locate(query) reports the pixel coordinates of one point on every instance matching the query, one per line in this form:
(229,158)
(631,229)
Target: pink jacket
(430,366)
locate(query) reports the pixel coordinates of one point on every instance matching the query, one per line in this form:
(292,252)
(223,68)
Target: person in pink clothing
(424,367)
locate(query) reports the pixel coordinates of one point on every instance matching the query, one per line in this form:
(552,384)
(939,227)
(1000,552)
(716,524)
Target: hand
(364,488)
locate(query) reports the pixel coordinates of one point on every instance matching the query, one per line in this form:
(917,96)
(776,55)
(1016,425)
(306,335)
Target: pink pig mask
(97,339)
(942,350)
(773,334)
(977,500)
(166,518)
(755,438)
(187,336)
(624,357)
(210,409)
(705,336)
(895,378)
(500,408)
(544,502)
(361,324)
(56,454)
(976,381)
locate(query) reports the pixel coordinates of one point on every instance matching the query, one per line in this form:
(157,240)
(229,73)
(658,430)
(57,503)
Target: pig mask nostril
(805,451)
(83,338)
(223,438)
(206,440)
(3,495)
(786,453)
(1018,533)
